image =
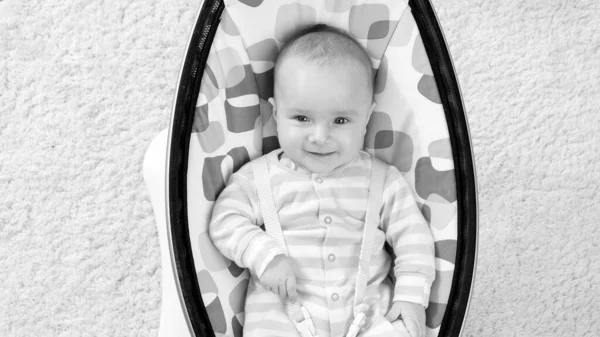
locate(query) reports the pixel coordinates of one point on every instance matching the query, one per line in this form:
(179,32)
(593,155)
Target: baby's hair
(325,45)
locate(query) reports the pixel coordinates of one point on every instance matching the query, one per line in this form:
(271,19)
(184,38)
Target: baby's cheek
(352,141)
(288,141)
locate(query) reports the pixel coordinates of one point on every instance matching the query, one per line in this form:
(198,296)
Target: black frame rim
(464,166)
(178,149)
(188,89)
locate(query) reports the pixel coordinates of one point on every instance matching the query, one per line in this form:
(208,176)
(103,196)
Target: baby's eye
(341,120)
(301,118)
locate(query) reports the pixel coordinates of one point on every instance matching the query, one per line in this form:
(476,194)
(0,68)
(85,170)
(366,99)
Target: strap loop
(360,318)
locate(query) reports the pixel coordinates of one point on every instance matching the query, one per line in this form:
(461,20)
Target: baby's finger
(291,289)
(413,326)
(393,314)
(281,290)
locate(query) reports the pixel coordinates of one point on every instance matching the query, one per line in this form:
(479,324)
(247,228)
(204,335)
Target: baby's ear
(371,109)
(369,117)
(272,101)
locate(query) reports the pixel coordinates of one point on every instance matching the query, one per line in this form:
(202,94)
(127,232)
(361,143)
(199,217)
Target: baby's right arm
(234,226)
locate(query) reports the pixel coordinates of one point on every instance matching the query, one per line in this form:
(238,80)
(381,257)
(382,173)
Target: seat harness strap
(372,219)
(298,313)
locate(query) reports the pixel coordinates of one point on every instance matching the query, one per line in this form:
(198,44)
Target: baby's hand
(412,314)
(279,277)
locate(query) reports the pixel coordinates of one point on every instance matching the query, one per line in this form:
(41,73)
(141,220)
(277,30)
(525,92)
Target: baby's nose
(319,134)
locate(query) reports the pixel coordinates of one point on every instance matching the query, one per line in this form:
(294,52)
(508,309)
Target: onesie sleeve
(235,225)
(408,233)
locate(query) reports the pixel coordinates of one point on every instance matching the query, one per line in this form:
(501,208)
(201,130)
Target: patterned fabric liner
(233,123)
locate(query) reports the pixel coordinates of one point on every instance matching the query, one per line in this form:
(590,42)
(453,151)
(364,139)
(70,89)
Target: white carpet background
(85,85)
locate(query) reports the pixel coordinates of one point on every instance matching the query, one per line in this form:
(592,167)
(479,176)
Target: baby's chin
(319,162)
(322,167)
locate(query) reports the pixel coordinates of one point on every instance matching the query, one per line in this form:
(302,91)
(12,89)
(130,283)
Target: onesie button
(319,180)
(327,220)
(331,257)
(335,297)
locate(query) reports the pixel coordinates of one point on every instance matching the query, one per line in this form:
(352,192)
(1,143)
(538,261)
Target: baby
(320,180)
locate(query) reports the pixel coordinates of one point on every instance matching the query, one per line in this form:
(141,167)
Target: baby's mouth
(320,154)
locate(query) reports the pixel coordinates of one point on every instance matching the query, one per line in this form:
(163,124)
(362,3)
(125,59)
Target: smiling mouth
(321,154)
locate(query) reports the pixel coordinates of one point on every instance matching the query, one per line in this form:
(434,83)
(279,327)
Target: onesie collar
(285,161)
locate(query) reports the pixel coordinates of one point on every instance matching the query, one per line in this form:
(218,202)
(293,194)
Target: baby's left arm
(408,233)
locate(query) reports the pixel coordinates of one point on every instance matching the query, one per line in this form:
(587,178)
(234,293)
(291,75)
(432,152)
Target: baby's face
(322,112)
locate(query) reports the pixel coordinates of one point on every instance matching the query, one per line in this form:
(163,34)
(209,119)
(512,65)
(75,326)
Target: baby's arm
(408,233)
(234,226)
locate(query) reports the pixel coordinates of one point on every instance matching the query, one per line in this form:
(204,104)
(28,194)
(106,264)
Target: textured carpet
(85,86)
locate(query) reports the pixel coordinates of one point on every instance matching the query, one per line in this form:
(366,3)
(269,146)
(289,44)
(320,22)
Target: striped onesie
(322,218)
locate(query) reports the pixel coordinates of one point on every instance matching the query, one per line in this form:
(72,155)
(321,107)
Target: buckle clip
(306,327)
(360,318)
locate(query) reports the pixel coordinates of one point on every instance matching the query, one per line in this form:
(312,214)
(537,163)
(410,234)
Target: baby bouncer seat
(221,120)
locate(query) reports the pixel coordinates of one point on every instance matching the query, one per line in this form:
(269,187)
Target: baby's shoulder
(247,170)
(392,173)
(369,160)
